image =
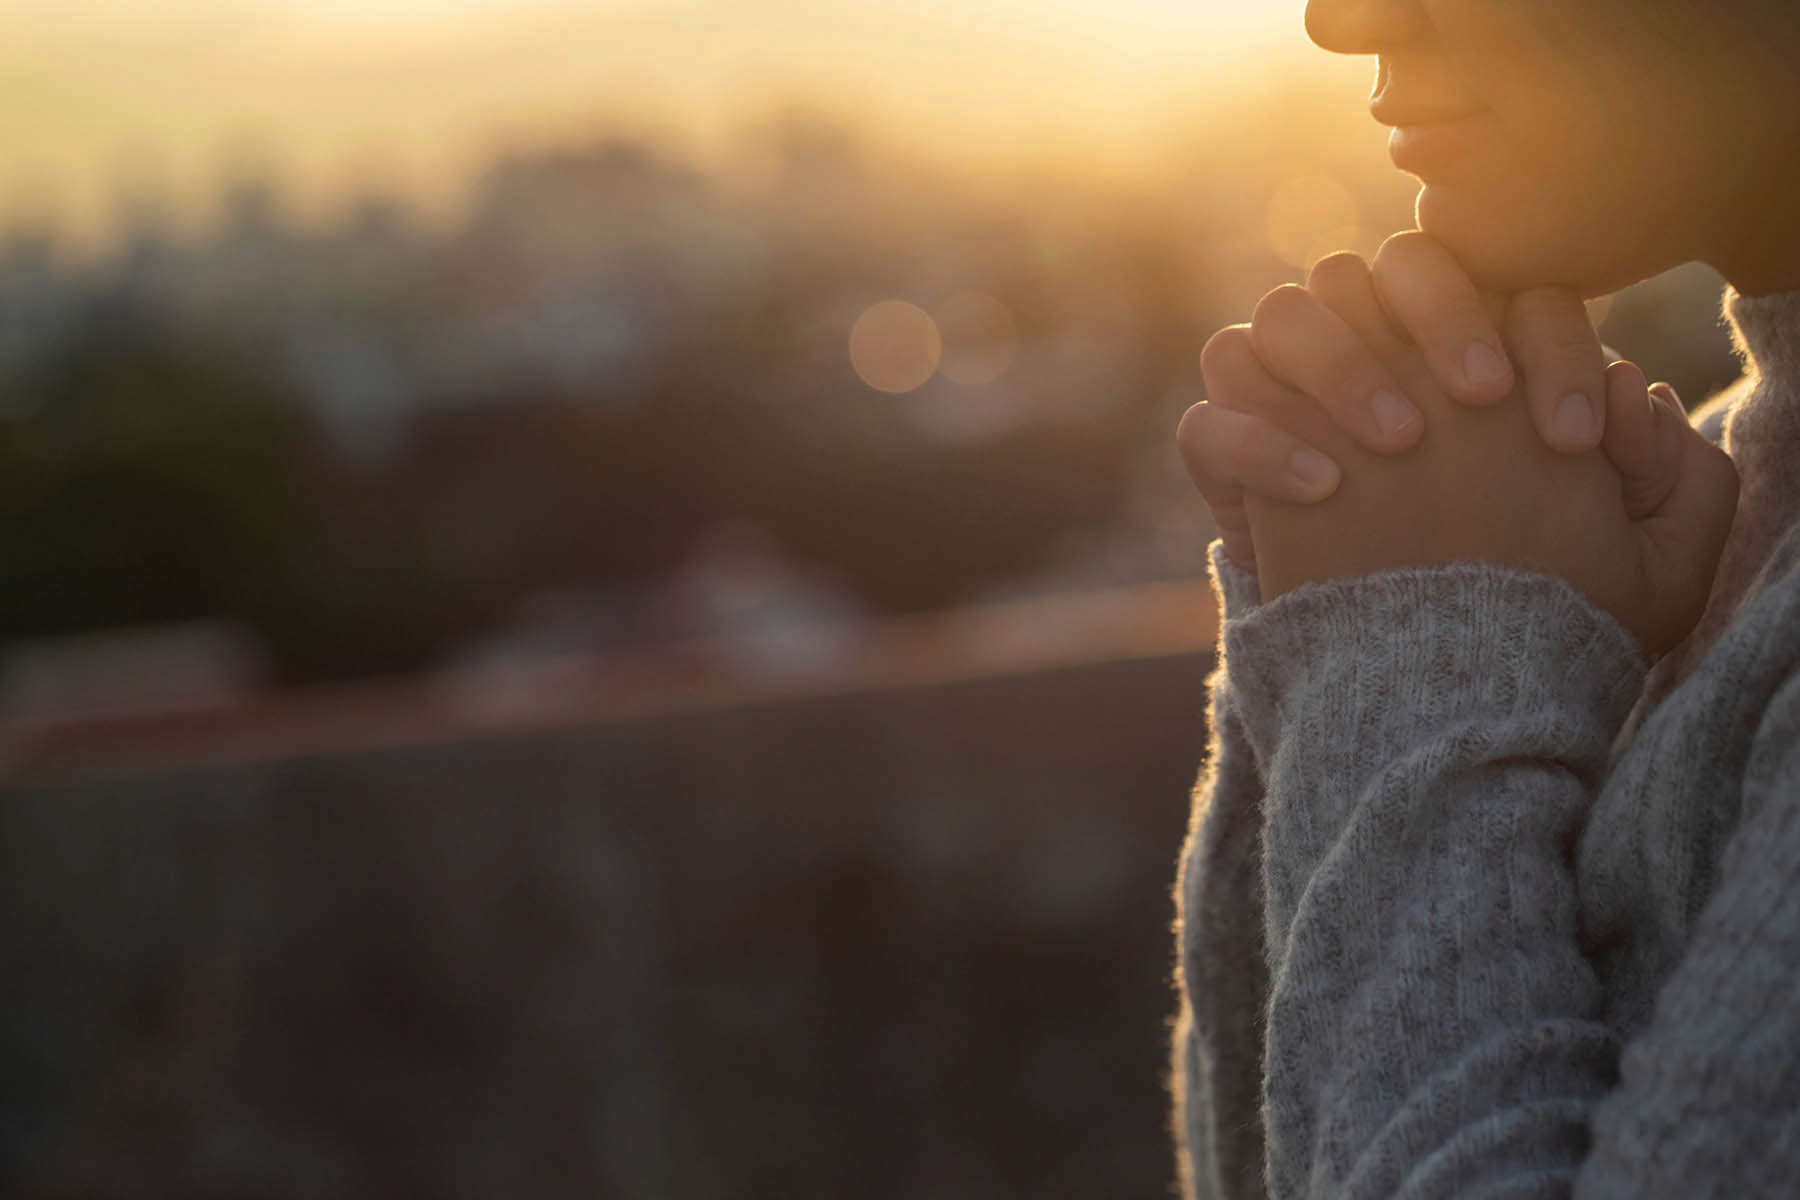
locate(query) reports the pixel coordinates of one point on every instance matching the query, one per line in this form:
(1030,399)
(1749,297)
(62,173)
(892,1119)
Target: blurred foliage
(153,482)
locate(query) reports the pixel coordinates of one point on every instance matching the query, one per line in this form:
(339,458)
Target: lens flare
(895,346)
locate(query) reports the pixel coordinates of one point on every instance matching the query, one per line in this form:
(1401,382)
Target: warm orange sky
(411,93)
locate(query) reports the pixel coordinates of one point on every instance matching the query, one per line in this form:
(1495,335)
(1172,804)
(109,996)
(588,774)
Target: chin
(1507,243)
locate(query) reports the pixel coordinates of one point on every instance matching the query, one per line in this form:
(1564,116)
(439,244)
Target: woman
(1493,884)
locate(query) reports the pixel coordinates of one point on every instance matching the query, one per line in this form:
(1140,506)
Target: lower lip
(1423,149)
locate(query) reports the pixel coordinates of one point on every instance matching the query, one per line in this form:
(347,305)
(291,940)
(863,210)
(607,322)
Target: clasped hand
(1389,415)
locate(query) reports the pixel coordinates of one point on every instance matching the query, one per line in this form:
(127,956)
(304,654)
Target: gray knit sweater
(1473,907)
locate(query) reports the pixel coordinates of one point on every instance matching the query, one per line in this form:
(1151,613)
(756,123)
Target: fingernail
(1483,365)
(1392,412)
(1312,468)
(1574,420)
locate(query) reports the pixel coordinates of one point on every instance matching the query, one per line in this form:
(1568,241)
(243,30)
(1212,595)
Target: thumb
(1644,440)
(1691,525)
(1684,537)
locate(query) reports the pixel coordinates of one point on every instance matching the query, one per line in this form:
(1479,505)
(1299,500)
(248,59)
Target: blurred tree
(150,480)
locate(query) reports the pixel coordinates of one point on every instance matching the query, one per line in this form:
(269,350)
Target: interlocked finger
(1549,334)
(1306,345)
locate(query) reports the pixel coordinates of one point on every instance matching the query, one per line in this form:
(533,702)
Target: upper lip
(1417,93)
(1389,111)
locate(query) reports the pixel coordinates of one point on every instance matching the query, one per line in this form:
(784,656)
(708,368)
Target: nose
(1363,26)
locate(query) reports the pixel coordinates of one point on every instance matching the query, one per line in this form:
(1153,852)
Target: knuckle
(1194,433)
(1279,306)
(1191,431)
(1404,250)
(1213,442)
(1225,350)
(1200,445)
(1337,273)
(1187,429)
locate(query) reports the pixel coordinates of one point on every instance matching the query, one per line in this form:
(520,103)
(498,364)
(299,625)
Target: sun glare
(1310,216)
(428,87)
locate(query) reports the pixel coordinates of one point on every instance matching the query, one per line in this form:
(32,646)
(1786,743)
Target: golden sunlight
(409,97)
(1309,217)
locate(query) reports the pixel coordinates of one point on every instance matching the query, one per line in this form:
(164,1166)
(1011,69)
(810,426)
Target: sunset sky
(408,95)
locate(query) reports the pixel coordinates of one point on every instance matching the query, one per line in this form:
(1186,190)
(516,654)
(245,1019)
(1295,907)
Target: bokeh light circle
(895,346)
(1310,216)
(980,338)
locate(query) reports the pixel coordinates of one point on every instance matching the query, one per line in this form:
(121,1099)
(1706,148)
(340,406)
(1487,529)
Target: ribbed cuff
(1373,662)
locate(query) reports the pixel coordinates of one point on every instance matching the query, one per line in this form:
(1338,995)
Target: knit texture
(1471,907)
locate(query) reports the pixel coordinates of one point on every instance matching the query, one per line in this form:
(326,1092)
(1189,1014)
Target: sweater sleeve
(1222,974)
(1429,741)
(1708,1100)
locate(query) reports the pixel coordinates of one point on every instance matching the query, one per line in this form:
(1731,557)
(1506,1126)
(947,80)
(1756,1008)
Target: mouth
(1434,118)
(1425,147)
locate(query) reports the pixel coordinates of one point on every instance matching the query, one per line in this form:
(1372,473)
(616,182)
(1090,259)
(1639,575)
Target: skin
(1636,525)
(1608,142)
(1564,150)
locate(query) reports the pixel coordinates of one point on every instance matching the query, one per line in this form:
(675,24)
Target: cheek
(1559,194)
(1558,84)
(1623,132)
